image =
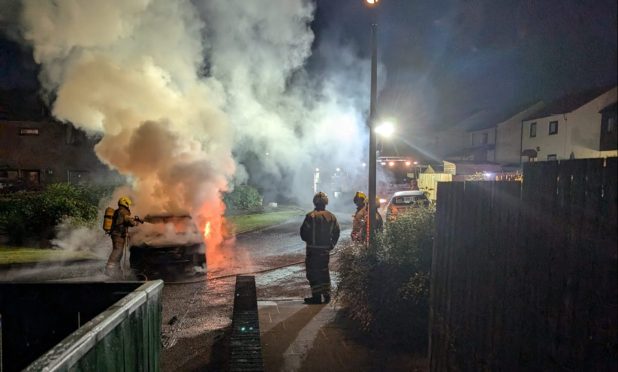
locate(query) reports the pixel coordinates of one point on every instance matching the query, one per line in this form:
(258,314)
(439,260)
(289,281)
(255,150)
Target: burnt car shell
(179,255)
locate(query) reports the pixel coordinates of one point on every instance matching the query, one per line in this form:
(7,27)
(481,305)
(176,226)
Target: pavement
(299,337)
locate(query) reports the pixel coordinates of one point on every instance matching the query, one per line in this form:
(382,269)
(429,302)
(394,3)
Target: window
(611,124)
(553,127)
(532,129)
(28,131)
(31,177)
(9,174)
(484,138)
(552,157)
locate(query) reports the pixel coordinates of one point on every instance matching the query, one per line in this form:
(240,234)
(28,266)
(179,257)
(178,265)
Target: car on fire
(168,247)
(402,201)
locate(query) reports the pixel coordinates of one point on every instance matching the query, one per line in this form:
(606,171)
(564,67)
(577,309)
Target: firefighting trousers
(316,264)
(117,250)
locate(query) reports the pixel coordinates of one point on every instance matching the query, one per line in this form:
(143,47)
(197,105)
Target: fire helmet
(124,201)
(360,198)
(320,199)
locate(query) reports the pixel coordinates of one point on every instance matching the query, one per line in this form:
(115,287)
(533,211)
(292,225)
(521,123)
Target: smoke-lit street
(308,185)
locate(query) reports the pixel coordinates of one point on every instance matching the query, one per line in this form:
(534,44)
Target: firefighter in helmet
(363,220)
(121,221)
(379,220)
(358,223)
(320,230)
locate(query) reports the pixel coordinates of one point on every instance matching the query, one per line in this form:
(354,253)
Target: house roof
(610,107)
(19,104)
(497,116)
(569,102)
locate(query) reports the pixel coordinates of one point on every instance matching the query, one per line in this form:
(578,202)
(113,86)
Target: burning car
(168,247)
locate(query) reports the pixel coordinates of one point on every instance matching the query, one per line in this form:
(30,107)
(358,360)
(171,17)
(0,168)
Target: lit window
(553,127)
(28,131)
(532,129)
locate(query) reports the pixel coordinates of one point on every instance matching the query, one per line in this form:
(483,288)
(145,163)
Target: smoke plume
(286,121)
(131,71)
(177,89)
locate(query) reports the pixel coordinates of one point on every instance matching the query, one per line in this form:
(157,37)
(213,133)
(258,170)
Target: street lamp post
(372,134)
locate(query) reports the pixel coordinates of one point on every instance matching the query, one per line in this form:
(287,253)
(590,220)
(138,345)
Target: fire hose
(204,278)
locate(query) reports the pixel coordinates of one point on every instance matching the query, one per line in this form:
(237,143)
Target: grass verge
(20,255)
(254,221)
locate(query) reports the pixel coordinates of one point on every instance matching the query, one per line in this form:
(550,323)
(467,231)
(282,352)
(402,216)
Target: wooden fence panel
(525,277)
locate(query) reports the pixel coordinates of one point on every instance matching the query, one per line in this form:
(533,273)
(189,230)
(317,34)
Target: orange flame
(207,230)
(210,217)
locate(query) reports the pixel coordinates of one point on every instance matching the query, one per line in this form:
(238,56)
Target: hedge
(35,214)
(386,289)
(243,197)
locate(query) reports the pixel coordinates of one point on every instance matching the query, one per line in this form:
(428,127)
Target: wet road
(196,315)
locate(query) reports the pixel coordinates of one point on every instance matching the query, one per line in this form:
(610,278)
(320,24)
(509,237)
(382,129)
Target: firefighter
(320,231)
(364,217)
(358,222)
(121,221)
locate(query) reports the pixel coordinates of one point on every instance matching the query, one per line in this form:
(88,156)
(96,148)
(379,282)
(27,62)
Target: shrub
(35,214)
(386,289)
(243,197)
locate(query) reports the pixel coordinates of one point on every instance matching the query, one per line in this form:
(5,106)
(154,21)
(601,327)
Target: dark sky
(446,58)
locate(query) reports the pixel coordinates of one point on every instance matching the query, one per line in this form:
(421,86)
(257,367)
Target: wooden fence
(525,277)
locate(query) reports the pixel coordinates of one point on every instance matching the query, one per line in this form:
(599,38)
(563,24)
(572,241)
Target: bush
(35,214)
(386,289)
(244,197)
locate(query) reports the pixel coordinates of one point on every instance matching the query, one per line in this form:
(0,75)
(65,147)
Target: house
(38,152)
(493,136)
(455,143)
(508,134)
(575,126)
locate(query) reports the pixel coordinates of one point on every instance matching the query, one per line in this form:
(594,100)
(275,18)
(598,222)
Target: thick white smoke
(174,87)
(130,70)
(292,123)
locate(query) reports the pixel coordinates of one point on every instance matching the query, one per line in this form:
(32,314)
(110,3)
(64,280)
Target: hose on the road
(204,278)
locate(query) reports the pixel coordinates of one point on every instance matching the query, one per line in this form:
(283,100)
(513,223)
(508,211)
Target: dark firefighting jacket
(320,229)
(121,221)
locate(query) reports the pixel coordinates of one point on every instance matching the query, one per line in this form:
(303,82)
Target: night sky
(447,58)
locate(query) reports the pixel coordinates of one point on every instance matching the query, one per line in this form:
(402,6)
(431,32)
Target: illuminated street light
(372,2)
(385,129)
(408,163)
(364,165)
(415,163)
(391,163)
(338,169)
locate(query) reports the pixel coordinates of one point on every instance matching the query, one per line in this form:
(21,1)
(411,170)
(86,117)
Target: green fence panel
(125,337)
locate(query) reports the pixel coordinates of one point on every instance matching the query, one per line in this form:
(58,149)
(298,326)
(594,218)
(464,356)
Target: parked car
(404,200)
(167,247)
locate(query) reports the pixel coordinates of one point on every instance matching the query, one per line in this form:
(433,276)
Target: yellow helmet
(124,201)
(360,198)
